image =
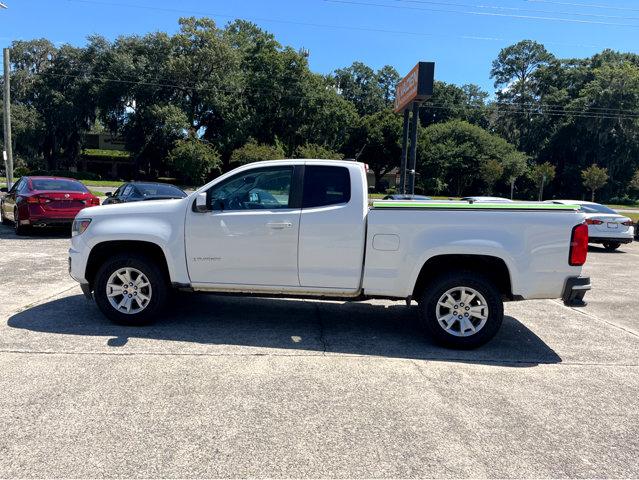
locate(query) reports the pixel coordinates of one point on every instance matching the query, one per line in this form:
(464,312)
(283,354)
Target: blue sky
(461,36)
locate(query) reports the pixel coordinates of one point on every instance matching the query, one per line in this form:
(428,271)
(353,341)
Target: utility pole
(541,188)
(413,149)
(403,161)
(8,147)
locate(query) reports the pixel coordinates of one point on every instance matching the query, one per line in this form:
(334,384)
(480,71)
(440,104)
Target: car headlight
(79,226)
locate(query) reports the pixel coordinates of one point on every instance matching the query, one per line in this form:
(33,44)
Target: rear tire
(611,246)
(19,229)
(461,310)
(139,270)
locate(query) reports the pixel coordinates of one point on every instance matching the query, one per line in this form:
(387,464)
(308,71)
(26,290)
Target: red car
(42,201)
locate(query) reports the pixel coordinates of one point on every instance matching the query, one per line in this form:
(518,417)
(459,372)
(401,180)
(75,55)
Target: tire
(19,229)
(157,290)
(454,283)
(611,246)
(3,219)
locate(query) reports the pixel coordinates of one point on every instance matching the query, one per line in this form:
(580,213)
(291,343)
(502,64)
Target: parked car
(487,199)
(403,196)
(605,226)
(139,191)
(315,236)
(44,201)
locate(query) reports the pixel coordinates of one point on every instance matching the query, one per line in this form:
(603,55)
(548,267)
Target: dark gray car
(141,191)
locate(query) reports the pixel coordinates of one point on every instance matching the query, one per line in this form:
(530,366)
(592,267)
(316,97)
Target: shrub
(193,160)
(255,152)
(311,150)
(68,174)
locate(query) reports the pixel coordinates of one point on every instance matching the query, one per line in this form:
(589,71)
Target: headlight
(79,226)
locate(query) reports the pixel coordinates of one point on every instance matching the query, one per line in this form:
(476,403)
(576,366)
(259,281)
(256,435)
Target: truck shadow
(218,324)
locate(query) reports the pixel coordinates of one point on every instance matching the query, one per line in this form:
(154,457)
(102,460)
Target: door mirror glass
(201,203)
(108,194)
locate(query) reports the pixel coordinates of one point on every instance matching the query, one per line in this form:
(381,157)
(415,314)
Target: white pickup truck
(304,228)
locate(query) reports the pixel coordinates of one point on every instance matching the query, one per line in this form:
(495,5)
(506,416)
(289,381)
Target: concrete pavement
(225,386)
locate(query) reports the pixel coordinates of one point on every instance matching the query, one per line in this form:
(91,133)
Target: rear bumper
(624,239)
(574,291)
(51,222)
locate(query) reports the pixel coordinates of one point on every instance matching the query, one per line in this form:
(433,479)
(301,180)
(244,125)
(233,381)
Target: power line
(349,28)
(486,14)
(512,108)
(587,5)
(517,9)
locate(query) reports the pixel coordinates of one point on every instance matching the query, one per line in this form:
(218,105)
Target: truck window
(266,189)
(326,186)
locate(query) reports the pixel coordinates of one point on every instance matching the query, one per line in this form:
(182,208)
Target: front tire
(130,290)
(611,246)
(461,310)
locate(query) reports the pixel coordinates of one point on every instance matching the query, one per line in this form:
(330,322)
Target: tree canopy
(233,94)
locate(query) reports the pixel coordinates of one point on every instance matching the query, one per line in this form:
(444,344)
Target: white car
(605,226)
(303,228)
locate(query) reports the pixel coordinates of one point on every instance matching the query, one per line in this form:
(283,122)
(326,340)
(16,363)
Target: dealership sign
(417,86)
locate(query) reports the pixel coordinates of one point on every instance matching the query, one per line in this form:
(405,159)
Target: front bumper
(574,291)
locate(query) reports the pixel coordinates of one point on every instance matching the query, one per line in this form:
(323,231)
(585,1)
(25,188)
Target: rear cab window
(326,185)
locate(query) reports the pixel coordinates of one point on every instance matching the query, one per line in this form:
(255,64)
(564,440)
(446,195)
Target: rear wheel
(130,290)
(461,310)
(611,246)
(19,229)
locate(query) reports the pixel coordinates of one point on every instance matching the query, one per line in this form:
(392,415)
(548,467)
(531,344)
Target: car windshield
(595,208)
(57,184)
(153,189)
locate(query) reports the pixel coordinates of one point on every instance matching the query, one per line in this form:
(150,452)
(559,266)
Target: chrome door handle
(279,225)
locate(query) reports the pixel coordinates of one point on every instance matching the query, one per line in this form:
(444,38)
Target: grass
(97,194)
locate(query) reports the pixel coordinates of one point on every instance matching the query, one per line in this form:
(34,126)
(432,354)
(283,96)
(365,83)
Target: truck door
(250,235)
(332,227)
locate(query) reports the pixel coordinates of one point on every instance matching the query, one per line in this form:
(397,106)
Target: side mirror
(108,194)
(4,190)
(201,203)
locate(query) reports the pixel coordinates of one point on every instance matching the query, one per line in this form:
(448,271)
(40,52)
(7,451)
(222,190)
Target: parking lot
(225,386)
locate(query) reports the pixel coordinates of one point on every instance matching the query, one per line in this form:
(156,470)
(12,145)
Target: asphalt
(238,387)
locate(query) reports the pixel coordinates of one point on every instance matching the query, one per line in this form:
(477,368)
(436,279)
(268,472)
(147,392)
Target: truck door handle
(279,225)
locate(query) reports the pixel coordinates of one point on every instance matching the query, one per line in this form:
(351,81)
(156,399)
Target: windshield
(154,189)
(57,184)
(596,208)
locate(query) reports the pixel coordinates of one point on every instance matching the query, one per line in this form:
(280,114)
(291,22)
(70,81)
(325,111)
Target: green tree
(453,153)
(194,160)
(377,142)
(256,152)
(634,183)
(368,90)
(515,166)
(513,71)
(594,178)
(311,150)
(491,171)
(542,174)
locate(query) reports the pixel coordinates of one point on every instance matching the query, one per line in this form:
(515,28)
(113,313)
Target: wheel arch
(103,250)
(494,268)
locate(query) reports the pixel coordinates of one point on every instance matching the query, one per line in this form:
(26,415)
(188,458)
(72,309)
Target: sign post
(411,91)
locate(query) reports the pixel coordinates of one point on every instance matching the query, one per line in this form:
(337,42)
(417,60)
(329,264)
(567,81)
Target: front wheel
(461,310)
(611,246)
(130,290)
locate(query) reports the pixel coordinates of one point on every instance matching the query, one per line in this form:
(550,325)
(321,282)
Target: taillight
(593,221)
(578,245)
(628,223)
(35,199)
(94,201)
